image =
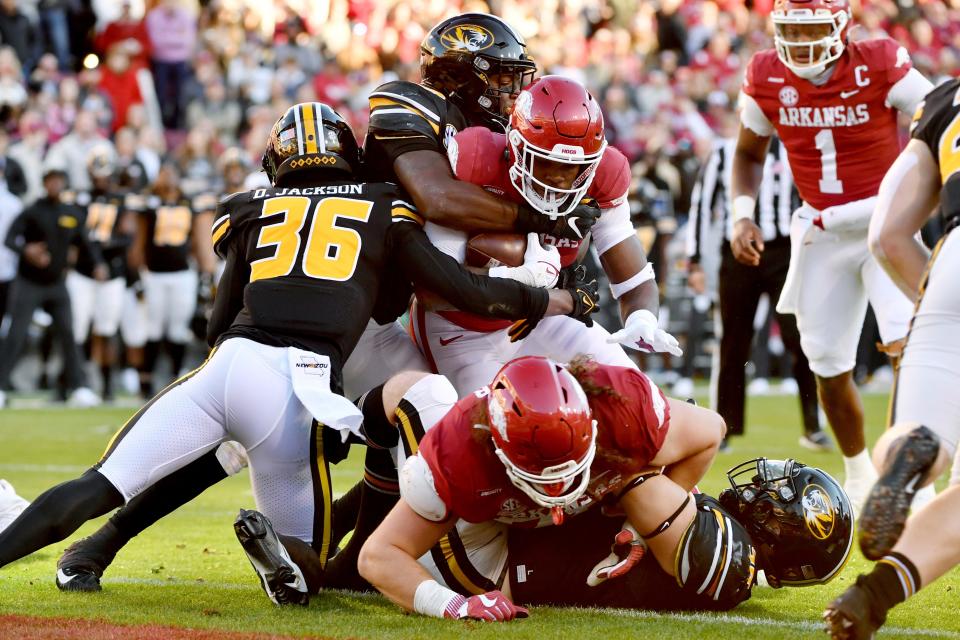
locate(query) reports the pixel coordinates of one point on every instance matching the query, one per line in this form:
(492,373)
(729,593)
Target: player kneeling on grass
(304,263)
(541,442)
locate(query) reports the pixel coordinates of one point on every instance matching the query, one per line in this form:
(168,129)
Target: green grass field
(189,570)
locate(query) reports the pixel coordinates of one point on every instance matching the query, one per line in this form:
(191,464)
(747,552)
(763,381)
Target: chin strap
(669,521)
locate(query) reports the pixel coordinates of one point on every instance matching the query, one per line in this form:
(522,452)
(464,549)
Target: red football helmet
(554,120)
(542,431)
(810,34)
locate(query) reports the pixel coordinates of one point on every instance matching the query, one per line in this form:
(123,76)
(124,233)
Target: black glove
(573,226)
(585,302)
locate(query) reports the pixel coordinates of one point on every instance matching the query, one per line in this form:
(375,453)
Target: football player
(111,227)
(543,442)
(304,259)
(913,552)
(553,156)
(833,103)
(172,229)
(751,528)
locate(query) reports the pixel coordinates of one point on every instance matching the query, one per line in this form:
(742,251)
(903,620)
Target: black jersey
(104,228)
(407,117)
(305,266)
(936,123)
(169,224)
(543,571)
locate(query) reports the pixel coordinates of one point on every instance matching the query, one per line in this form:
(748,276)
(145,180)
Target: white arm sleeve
(753,118)
(450,241)
(418,490)
(613,227)
(908,92)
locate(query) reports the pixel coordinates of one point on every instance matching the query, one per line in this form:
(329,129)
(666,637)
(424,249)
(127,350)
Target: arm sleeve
(229,299)
(612,228)
(908,92)
(427,266)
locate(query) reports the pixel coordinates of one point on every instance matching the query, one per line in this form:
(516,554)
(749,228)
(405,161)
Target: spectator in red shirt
(118,80)
(129,32)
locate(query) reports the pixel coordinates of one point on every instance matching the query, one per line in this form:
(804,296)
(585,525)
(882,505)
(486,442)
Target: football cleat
(280,577)
(885,512)
(849,616)
(77,579)
(82,565)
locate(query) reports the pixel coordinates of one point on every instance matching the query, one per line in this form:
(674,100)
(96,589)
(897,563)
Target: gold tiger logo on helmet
(818,511)
(467,37)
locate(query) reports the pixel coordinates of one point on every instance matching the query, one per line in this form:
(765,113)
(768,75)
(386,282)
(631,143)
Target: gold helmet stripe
(311,132)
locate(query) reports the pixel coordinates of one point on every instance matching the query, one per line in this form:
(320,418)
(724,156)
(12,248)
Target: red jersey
(478,155)
(840,137)
(466,475)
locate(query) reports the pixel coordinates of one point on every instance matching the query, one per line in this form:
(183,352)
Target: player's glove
(642,332)
(585,303)
(573,226)
(540,268)
(627,550)
(491,606)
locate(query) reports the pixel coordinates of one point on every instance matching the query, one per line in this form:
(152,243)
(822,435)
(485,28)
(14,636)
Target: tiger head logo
(818,512)
(467,37)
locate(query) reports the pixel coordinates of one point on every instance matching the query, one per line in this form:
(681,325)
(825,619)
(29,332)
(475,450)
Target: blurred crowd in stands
(197,85)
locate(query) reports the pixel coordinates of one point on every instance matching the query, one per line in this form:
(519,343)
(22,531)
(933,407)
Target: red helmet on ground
(810,34)
(554,120)
(542,430)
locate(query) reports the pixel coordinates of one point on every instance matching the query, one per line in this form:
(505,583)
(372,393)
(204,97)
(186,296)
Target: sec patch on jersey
(487,250)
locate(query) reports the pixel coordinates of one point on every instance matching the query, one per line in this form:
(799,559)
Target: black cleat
(280,577)
(82,565)
(888,505)
(849,616)
(77,579)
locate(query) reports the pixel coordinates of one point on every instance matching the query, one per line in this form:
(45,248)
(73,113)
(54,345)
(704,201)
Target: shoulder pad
(405,109)
(417,490)
(612,181)
(476,155)
(716,558)
(231,213)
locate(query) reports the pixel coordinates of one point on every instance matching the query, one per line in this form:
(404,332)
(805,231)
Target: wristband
(434,600)
(743,207)
(644,275)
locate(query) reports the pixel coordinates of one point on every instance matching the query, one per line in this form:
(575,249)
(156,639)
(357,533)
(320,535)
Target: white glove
(540,268)
(642,332)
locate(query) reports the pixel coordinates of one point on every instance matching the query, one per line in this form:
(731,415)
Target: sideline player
(271,381)
(112,228)
(925,422)
(553,156)
(525,477)
(834,104)
(172,229)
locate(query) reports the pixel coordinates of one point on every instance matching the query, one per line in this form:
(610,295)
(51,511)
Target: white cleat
(83,398)
(11,505)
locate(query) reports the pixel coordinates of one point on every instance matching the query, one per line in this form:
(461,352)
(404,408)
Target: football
(486,250)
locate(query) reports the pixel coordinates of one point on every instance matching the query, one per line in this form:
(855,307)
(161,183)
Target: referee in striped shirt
(741,286)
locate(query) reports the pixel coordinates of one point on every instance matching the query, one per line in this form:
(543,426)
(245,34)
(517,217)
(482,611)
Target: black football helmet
(310,136)
(799,518)
(477,61)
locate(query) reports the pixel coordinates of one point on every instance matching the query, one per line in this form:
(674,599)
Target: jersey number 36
(332,251)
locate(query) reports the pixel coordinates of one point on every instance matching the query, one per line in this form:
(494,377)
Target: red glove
(627,550)
(491,606)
